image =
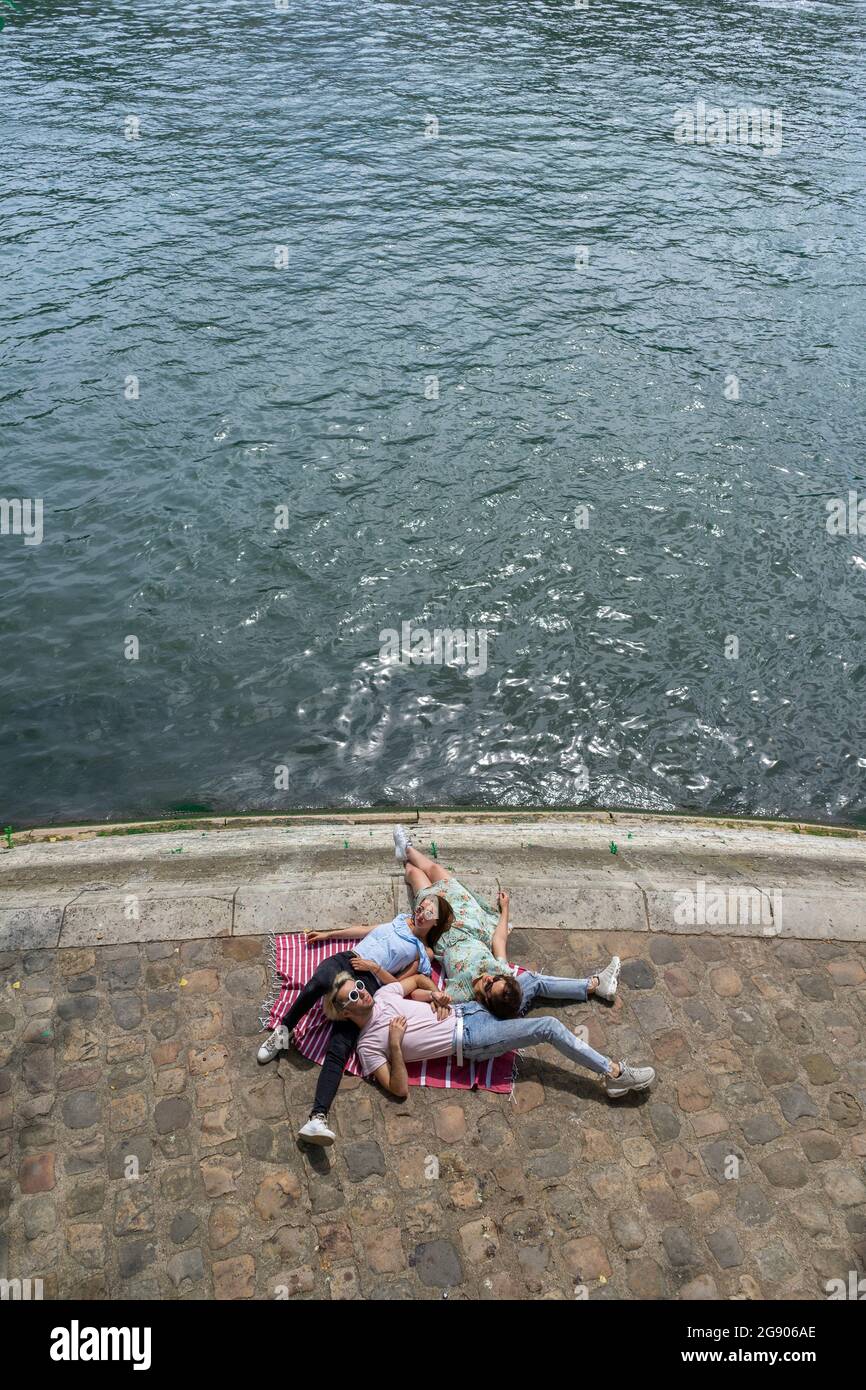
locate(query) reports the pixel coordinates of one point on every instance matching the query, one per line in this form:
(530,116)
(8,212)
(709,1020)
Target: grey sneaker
(402,841)
(278,1041)
(629,1079)
(316,1131)
(608,980)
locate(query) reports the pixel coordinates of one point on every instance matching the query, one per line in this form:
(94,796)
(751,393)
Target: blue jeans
(486,1036)
(535,987)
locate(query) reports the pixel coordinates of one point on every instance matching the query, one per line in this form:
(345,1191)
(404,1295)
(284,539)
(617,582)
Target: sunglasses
(355,993)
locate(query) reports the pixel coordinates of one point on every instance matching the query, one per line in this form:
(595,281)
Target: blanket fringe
(514,1073)
(275,983)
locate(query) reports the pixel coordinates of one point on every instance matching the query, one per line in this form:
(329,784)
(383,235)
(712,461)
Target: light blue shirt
(395,946)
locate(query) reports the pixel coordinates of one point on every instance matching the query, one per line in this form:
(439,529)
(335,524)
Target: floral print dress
(464,950)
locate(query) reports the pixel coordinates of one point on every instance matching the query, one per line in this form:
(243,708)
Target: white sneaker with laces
(402,841)
(629,1079)
(608,980)
(316,1131)
(277,1042)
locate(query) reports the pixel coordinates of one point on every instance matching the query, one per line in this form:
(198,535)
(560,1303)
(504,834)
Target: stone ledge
(32,926)
(100,919)
(787,911)
(563,874)
(309,907)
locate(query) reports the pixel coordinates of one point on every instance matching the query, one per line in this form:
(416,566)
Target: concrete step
(577,873)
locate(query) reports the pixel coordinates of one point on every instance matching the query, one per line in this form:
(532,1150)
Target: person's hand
(313,936)
(358,963)
(504,900)
(396,1029)
(440,1004)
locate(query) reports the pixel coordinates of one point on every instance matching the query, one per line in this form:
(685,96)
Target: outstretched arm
(351,932)
(499,942)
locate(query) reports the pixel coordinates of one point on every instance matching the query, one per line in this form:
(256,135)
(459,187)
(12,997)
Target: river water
(321,321)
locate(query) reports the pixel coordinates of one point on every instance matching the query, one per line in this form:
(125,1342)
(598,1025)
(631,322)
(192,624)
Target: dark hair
(446,920)
(508,1001)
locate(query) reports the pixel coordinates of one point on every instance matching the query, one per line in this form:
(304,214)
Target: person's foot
(316,1131)
(277,1042)
(629,1079)
(608,980)
(402,841)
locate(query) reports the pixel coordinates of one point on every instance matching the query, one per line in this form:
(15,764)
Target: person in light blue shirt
(395,946)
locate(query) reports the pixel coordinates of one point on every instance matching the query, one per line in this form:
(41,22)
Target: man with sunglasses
(396,1029)
(396,947)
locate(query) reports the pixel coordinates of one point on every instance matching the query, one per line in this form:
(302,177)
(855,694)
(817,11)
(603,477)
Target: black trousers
(344,1034)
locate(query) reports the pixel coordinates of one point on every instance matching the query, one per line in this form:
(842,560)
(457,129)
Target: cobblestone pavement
(142,1058)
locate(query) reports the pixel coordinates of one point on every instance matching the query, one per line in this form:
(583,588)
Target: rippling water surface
(409,257)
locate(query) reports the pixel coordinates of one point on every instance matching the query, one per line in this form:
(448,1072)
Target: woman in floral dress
(468,938)
(470,941)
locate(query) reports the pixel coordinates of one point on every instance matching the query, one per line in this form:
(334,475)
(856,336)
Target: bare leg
(415,879)
(433,870)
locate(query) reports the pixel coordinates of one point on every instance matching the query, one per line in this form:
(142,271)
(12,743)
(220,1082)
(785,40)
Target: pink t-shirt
(425,1036)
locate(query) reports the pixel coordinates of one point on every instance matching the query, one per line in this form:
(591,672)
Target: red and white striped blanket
(293,963)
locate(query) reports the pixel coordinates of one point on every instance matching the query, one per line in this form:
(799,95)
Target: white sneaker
(277,1042)
(402,841)
(629,1079)
(316,1131)
(608,980)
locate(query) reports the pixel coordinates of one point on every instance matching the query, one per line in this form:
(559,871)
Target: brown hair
(508,1001)
(446,920)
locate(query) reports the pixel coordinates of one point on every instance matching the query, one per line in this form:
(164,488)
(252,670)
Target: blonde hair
(330,1005)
